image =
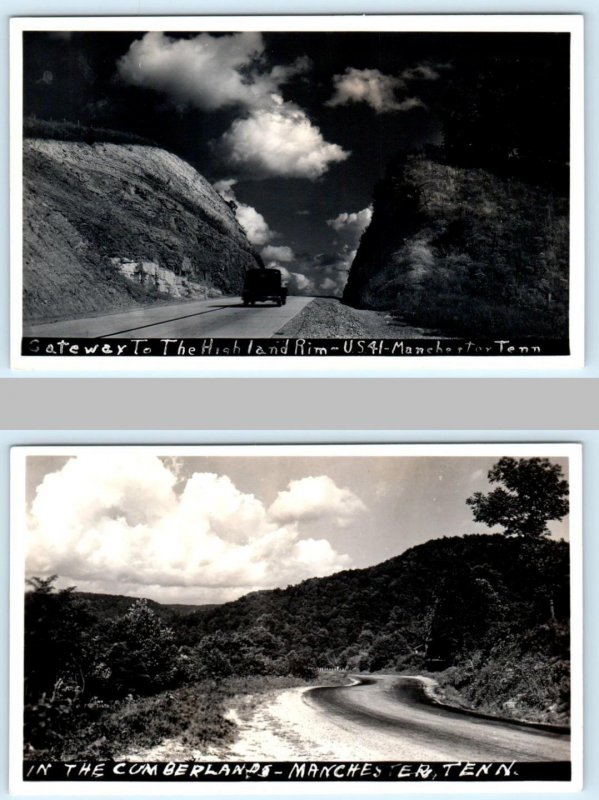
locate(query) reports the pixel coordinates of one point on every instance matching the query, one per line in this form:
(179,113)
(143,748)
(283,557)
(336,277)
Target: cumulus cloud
(378,90)
(298,278)
(301,283)
(323,273)
(278,253)
(207,72)
(120,524)
(373,87)
(331,270)
(422,72)
(353,222)
(326,273)
(282,141)
(225,189)
(253,223)
(296,282)
(316,498)
(273,137)
(328,285)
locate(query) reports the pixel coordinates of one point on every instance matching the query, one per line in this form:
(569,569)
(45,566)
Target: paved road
(396,712)
(218,318)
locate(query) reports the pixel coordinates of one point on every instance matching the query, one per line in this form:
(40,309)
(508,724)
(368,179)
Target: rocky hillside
(108,226)
(464,250)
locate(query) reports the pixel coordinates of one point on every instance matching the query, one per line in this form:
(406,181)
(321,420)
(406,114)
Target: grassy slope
(194,714)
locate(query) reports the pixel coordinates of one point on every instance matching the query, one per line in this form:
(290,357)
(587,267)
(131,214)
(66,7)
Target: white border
(17,570)
(308,365)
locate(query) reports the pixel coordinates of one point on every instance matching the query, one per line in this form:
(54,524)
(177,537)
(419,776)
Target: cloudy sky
(296,127)
(210,529)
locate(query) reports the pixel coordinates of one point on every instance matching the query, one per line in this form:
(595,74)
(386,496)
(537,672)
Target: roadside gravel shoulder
(328,318)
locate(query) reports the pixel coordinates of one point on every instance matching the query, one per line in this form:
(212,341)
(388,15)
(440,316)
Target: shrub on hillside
(64,131)
(523,679)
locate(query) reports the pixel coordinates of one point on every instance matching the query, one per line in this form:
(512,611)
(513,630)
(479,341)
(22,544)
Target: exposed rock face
(90,208)
(464,250)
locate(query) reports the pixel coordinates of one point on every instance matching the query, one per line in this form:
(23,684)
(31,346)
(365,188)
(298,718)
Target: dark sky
(217,99)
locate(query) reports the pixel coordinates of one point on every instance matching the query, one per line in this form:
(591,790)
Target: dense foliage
(103,674)
(490,612)
(435,604)
(65,131)
(464,251)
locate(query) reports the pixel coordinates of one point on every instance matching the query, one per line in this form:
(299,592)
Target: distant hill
(111,222)
(182,608)
(110,606)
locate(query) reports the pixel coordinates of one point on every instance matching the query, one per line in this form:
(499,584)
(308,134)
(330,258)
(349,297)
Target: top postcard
(321,193)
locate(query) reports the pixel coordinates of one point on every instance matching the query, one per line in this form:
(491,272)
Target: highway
(217,318)
(394,715)
(377,718)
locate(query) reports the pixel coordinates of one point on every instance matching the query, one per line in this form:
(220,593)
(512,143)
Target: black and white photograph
(390,190)
(296,615)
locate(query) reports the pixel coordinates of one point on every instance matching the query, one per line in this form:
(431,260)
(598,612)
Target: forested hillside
(489,615)
(468,602)
(465,251)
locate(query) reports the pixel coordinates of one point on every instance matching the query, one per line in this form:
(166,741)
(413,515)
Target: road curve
(378,718)
(398,708)
(216,318)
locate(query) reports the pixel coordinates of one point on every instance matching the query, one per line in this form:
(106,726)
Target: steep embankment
(107,226)
(464,250)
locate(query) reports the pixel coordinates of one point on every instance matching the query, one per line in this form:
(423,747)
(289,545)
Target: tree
(59,658)
(142,657)
(532,492)
(56,638)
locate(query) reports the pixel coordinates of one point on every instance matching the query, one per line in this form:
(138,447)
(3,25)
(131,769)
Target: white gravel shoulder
(286,726)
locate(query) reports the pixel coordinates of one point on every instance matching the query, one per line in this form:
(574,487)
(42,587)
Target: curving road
(396,712)
(378,718)
(217,318)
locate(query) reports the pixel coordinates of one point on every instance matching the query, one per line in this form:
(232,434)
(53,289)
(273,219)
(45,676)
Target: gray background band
(316,404)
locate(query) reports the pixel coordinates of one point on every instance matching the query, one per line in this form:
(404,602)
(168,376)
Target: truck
(263,285)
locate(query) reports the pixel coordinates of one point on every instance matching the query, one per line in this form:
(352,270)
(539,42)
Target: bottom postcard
(276,618)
